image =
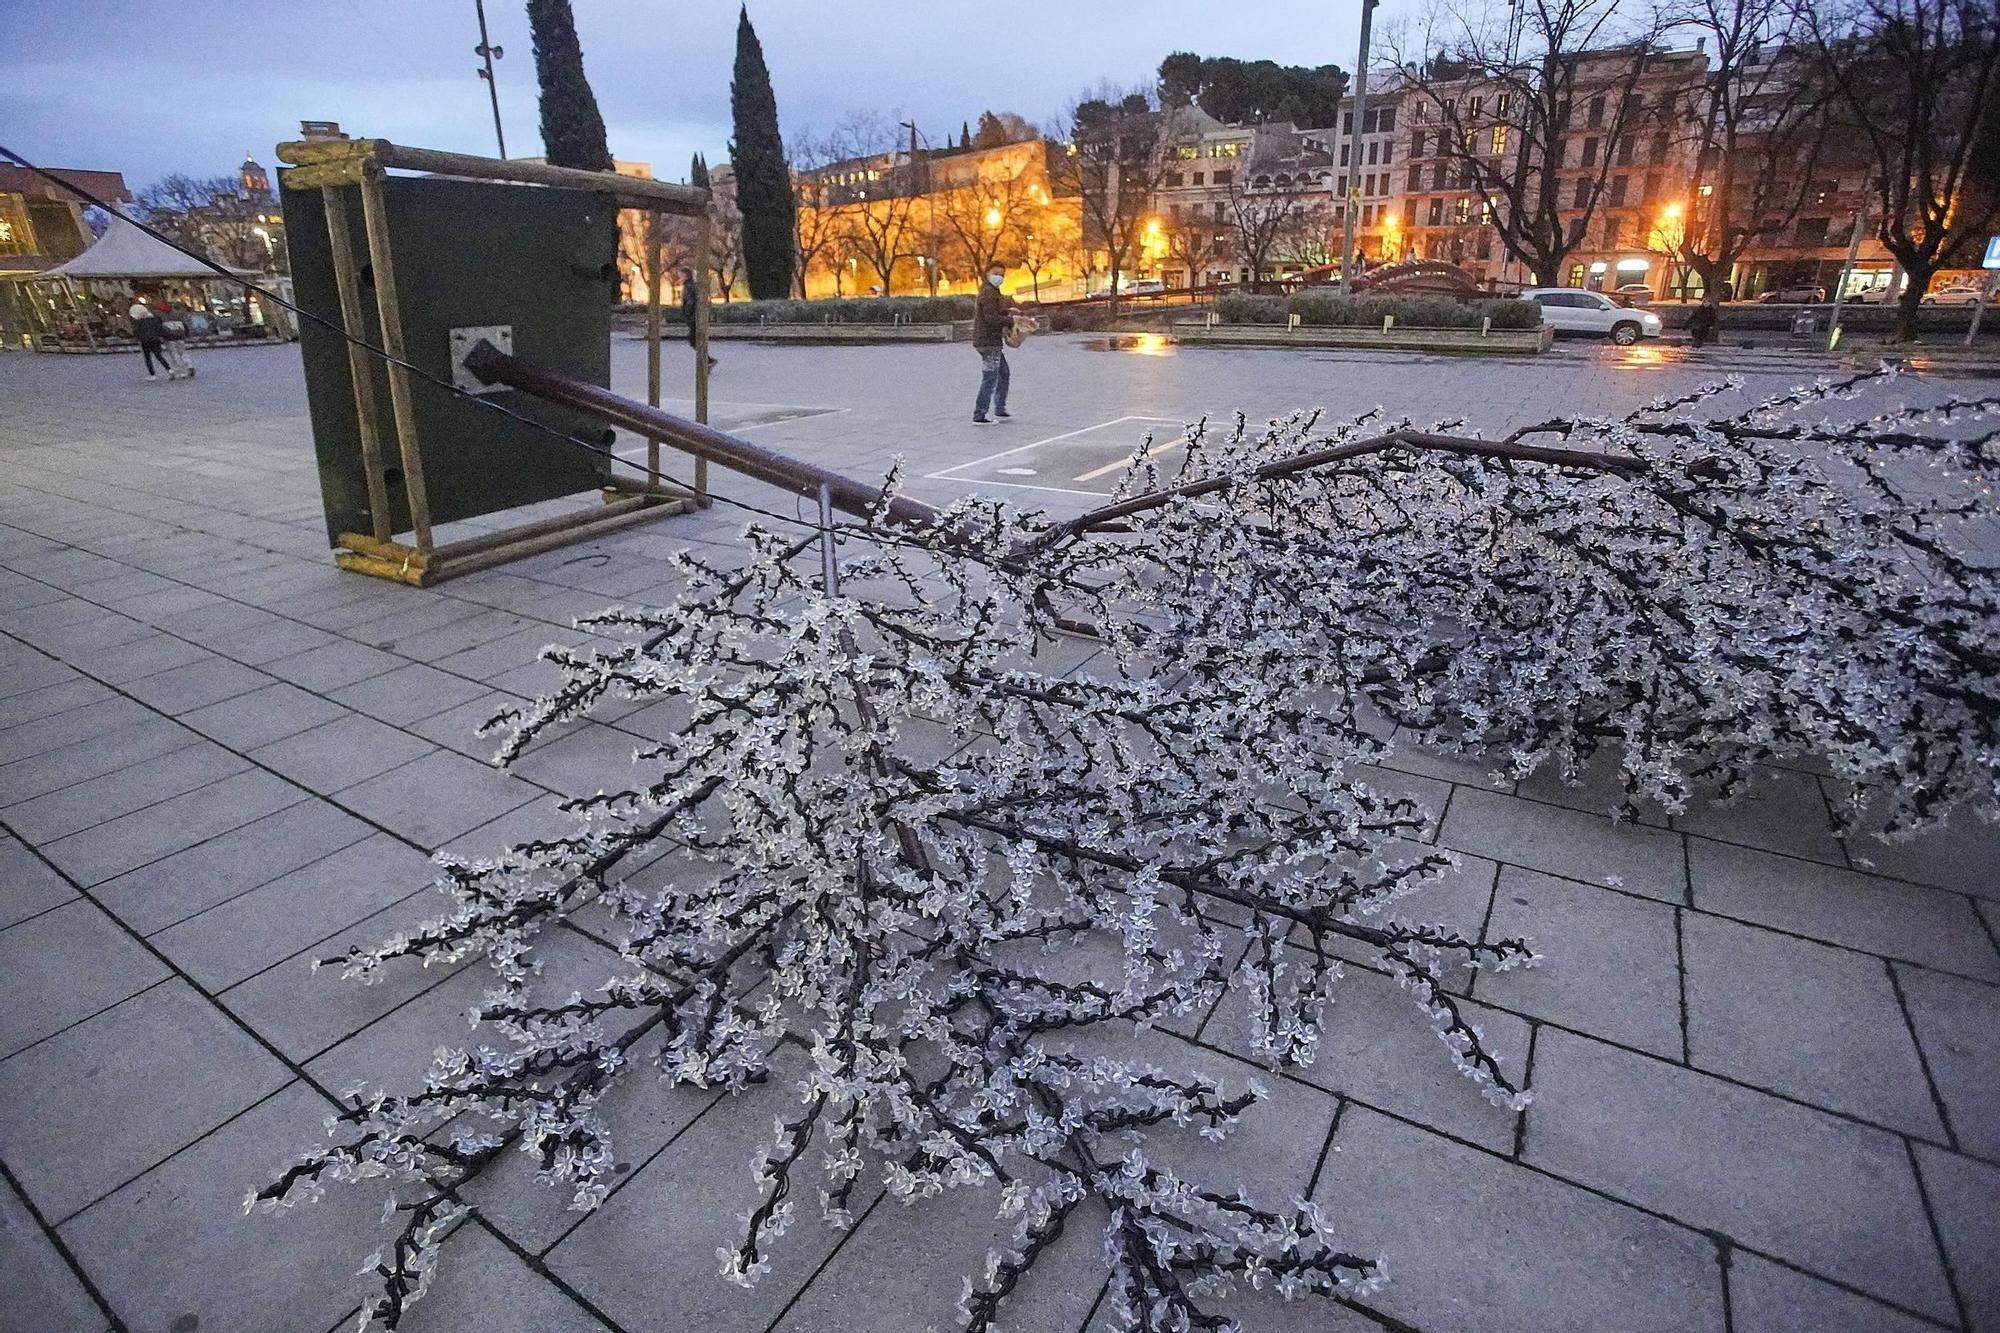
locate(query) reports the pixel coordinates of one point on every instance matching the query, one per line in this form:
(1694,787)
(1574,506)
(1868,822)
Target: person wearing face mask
(991,316)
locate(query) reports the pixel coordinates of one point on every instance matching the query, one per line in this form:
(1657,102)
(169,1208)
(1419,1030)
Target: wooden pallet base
(408,564)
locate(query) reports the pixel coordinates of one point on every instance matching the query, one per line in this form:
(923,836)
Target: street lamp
(993,216)
(489,53)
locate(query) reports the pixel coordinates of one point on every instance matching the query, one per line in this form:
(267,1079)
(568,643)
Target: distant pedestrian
(150,330)
(1703,323)
(690,302)
(178,327)
(992,315)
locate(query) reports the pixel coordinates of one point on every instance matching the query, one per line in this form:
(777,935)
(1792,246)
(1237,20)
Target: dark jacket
(990,317)
(150,329)
(689,291)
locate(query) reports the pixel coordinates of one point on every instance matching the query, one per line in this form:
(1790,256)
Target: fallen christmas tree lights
(887,828)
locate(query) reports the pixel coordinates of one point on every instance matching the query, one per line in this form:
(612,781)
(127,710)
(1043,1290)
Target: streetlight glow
(993,217)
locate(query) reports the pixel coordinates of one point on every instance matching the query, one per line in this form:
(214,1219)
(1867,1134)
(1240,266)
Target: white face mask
(996,278)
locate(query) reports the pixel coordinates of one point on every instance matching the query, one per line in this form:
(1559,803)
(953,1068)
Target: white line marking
(1122,463)
(1019,486)
(1022,448)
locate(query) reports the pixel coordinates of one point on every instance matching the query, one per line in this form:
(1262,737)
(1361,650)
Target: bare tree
(1916,80)
(1757,127)
(1197,242)
(1309,238)
(211,215)
(819,225)
(876,214)
(1045,244)
(725,244)
(988,217)
(1114,156)
(1261,217)
(1526,98)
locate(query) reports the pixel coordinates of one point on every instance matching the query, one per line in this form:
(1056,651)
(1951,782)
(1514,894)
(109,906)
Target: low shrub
(1414,312)
(846,310)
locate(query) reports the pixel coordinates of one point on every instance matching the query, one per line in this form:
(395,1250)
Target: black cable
(602,451)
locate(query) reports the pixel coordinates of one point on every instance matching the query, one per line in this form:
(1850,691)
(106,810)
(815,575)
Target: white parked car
(1573,310)
(1132,287)
(1959,293)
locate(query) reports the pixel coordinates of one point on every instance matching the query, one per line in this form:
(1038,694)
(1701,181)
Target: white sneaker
(151,376)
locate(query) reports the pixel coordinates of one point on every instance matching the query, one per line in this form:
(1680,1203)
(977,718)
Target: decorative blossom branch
(887,821)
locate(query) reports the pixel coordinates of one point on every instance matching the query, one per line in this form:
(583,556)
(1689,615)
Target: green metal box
(466,253)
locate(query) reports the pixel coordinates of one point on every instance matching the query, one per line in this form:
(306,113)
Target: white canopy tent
(125,254)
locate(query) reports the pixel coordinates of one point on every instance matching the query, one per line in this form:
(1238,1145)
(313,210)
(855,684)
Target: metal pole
(653,283)
(701,246)
(829,568)
(1353,201)
(486,51)
(375,219)
(1979,306)
(1840,292)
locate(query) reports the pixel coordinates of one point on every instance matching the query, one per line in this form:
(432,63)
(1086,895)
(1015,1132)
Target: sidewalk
(1765,1073)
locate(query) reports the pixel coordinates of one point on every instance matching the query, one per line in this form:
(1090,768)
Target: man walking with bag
(150,330)
(992,316)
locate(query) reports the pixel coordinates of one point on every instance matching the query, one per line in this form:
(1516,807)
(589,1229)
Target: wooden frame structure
(327,163)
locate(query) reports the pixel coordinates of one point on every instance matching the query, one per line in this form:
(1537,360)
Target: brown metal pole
(701,247)
(375,218)
(653,277)
(705,443)
(341,248)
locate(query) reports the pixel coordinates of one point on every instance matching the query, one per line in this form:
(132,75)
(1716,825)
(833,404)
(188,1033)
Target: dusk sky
(148,89)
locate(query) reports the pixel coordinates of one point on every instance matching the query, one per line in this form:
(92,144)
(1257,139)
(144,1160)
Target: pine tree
(698,172)
(572,128)
(763,182)
(965,134)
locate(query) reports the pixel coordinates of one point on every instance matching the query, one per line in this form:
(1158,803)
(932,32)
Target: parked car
(1573,310)
(1883,295)
(1132,287)
(1960,293)
(1633,293)
(1794,296)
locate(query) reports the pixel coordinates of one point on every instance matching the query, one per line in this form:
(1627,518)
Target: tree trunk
(1910,302)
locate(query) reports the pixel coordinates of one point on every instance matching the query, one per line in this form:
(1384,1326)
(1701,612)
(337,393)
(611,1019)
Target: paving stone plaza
(1765,1060)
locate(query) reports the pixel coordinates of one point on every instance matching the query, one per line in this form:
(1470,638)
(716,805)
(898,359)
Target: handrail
(493,366)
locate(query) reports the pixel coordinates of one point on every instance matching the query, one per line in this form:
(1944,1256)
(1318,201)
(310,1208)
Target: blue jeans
(992,381)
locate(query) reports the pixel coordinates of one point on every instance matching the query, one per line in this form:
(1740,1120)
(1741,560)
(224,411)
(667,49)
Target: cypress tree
(572,128)
(965,134)
(698,172)
(763,182)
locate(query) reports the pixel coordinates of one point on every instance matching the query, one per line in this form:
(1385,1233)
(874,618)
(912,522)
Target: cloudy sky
(190,85)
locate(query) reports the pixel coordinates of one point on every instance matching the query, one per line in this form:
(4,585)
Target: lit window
(1462,211)
(1499,138)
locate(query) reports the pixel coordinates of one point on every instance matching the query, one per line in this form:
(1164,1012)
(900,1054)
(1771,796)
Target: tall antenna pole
(489,53)
(1353,203)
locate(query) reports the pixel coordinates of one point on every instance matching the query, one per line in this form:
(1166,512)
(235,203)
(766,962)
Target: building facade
(41,226)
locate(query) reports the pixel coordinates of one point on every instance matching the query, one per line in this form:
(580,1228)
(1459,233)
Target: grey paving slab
(341,753)
(63,966)
(434,799)
(53,770)
(28,887)
(411,614)
(49,700)
(241,937)
(107,850)
(1958,1027)
(174,1248)
(458,728)
(408,694)
(1610,965)
(675,1214)
(1782,811)
(1965,1199)
(303,1009)
(1963,854)
(57,814)
(41,1291)
(106,1100)
(263,716)
(1817,1023)
(589,759)
(1868,912)
(507,653)
(1828,1195)
(175,887)
(1599,789)
(1769,1298)
(186,688)
(29,673)
(270,642)
(145,656)
(333,665)
(459,636)
(1377,1046)
(483,1285)
(1566,842)
(71,727)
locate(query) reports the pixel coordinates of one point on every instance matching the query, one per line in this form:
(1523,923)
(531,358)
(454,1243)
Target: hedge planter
(955,331)
(1494,342)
